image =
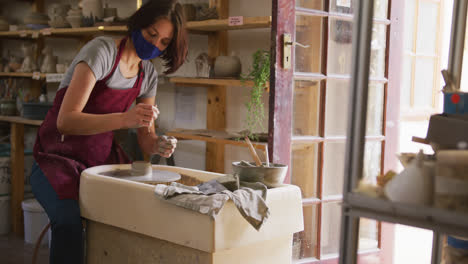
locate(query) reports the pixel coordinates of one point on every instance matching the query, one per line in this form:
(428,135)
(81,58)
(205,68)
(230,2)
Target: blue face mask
(144,49)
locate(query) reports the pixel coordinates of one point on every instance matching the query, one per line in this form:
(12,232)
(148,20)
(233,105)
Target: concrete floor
(13,250)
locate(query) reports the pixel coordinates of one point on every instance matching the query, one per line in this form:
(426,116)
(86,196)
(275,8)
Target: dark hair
(153,10)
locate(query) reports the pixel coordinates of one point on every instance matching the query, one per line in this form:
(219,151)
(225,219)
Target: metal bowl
(272,176)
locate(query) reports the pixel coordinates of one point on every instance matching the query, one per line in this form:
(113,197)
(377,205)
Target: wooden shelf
(217,137)
(208,81)
(213,25)
(21,74)
(20,120)
(436,219)
(205,26)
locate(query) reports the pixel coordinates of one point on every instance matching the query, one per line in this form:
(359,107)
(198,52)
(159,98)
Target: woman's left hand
(165,146)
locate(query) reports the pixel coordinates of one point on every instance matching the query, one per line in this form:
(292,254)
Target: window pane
(331,225)
(378,45)
(406,83)
(311,4)
(304,168)
(340,47)
(342,6)
(306,108)
(424,82)
(428,17)
(381,8)
(336,107)
(375,106)
(308,32)
(372,159)
(305,242)
(410,16)
(368,234)
(333,168)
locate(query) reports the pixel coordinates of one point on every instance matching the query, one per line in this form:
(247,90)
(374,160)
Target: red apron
(63,158)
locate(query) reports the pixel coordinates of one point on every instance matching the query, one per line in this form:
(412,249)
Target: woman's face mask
(144,49)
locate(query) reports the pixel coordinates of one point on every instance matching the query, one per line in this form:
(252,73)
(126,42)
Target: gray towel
(209,197)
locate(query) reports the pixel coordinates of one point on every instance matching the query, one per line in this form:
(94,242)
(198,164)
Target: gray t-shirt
(100,54)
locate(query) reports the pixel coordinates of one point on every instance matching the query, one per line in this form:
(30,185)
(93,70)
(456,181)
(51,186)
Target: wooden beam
(281,92)
(17,177)
(216,95)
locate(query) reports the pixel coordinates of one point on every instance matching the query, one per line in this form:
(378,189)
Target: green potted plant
(260,75)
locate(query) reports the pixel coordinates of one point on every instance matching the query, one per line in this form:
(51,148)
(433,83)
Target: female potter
(94,99)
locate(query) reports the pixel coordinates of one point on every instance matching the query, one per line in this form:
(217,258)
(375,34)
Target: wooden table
(17,168)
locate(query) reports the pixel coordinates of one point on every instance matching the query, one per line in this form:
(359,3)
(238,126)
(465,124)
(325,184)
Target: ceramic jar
(227,66)
(4,25)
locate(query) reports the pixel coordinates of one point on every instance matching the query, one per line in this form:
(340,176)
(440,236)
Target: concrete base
(108,244)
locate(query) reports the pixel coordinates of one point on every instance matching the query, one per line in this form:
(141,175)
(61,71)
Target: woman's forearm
(78,123)
(147,140)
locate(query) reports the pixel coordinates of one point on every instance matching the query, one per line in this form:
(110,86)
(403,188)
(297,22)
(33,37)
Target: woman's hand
(165,146)
(142,115)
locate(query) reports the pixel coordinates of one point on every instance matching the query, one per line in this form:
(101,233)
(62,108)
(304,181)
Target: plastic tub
(35,219)
(4,214)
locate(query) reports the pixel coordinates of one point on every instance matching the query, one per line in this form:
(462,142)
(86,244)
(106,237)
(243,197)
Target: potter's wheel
(155,176)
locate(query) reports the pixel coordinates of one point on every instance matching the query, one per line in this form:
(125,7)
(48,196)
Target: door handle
(287,49)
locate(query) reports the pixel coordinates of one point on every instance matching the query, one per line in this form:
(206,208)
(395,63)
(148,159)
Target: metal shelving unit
(357,205)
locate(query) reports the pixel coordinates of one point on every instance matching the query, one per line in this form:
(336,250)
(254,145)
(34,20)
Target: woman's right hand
(141,115)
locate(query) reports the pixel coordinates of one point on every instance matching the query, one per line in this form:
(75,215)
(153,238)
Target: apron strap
(117,59)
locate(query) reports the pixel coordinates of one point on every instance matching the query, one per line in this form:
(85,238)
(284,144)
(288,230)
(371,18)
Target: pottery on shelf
(204,65)
(109,11)
(75,17)
(4,25)
(92,9)
(57,15)
(227,66)
(7,107)
(35,18)
(29,64)
(60,68)
(190,12)
(50,61)
(205,13)
(13,64)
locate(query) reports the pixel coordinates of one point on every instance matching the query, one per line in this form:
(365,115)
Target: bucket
(4,214)
(35,219)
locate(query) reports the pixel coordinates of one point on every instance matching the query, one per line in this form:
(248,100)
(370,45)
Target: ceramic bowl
(272,176)
(227,66)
